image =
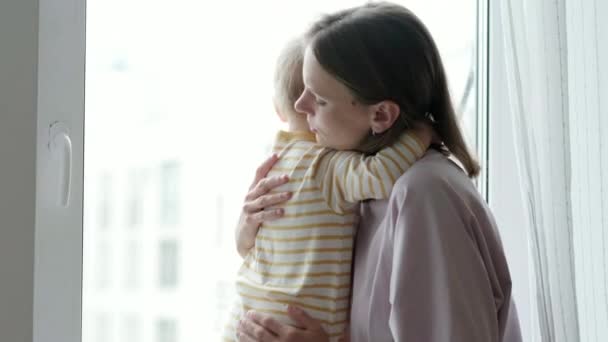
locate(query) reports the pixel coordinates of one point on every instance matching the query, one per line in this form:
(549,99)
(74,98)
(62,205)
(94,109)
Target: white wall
(504,186)
(18,120)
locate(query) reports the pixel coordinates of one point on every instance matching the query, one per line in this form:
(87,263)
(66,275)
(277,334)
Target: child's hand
(257,199)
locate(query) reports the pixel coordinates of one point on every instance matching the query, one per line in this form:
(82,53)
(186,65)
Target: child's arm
(349,177)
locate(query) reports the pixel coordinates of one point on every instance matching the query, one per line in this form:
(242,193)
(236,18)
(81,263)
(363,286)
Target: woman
(429,264)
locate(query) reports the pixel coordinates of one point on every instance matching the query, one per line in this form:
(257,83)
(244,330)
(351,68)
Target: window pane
(103,265)
(131,329)
(134,207)
(132,267)
(166,331)
(179,113)
(104,328)
(169,194)
(168,264)
(105,200)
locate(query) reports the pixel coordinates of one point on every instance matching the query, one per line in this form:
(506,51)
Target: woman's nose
(300,104)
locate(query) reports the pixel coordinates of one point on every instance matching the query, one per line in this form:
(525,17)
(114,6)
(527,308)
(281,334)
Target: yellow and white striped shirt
(304,258)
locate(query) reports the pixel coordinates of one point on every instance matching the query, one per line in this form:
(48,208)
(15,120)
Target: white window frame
(482,108)
(42,108)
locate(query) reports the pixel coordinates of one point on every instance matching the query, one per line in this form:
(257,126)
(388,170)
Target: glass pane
(173,90)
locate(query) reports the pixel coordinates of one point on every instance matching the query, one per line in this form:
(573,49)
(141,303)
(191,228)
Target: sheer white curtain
(556,53)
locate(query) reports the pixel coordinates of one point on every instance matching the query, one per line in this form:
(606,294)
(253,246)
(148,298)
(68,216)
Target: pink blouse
(429,264)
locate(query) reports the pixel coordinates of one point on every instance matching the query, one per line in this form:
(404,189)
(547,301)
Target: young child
(304,258)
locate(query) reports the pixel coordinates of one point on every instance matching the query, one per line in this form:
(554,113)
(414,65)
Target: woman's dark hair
(382,51)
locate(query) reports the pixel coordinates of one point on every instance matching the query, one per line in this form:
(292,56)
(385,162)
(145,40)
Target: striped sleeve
(348,177)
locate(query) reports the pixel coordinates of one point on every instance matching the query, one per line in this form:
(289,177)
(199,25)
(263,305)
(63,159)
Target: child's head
(288,84)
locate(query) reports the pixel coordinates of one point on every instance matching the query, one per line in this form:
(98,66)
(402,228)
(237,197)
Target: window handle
(61,144)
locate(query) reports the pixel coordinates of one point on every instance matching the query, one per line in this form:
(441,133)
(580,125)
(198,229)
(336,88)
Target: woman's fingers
(269,323)
(303,319)
(265,201)
(264,185)
(271,200)
(242,337)
(263,169)
(250,330)
(265,215)
(261,327)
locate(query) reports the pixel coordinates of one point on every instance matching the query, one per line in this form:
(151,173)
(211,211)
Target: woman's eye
(320,102)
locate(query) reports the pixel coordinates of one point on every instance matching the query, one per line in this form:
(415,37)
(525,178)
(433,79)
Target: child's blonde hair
(288,82)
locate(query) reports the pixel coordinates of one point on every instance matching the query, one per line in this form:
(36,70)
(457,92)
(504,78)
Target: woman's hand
(257,199)
(258,327)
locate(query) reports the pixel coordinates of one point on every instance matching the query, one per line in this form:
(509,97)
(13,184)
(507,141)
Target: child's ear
(384,115)
(281,116)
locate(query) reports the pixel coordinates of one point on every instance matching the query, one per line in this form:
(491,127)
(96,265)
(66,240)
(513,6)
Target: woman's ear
(384,115)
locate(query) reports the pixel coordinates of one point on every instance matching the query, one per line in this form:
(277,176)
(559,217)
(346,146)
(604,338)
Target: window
(131,329)
(132,265)
(168,264)
(220,231)
(104,328)
(105,200)
(103,265)
(135,197)
(166,331)
(178,116)
(169,194)
(223,295)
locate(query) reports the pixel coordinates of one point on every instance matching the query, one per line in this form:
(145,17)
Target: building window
(219,214)
(105,200)
(103,265)
(166,330)
(132,265)
(223,296)
(169,193)
(131,329)
(135,198)
(168,259)
(103,328)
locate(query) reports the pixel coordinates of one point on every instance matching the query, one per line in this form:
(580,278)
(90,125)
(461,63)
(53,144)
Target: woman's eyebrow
(310,87)
(314,92)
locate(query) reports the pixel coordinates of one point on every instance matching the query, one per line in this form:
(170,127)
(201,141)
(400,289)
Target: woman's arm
(449,279)
(253,213)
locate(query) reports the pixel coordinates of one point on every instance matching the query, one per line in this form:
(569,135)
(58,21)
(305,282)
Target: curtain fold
(588,114)
(555,55)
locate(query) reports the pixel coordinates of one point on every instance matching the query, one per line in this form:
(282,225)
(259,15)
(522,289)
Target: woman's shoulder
(434,171)
(437,181)
(438,190)
(437,186)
